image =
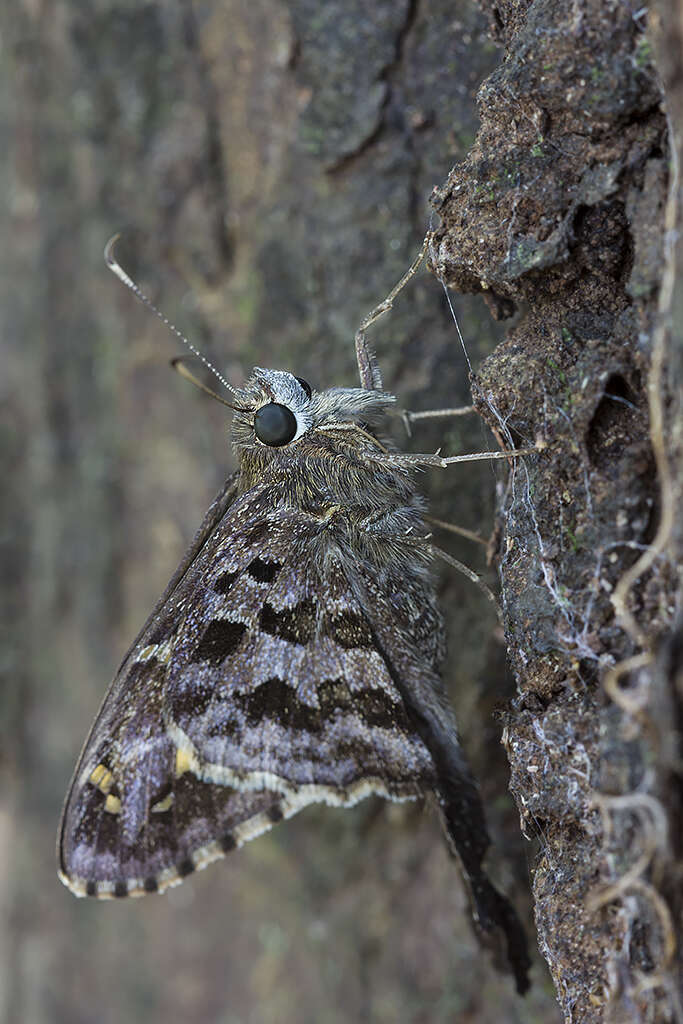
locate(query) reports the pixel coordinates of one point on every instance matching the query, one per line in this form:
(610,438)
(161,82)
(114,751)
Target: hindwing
(258,686)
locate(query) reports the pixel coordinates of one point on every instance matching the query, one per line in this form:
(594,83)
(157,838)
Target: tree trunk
(564,212)
(270,166)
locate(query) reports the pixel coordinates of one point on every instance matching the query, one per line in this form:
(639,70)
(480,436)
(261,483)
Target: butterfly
(293,659)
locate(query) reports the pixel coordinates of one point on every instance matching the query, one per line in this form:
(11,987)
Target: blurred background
(269,165)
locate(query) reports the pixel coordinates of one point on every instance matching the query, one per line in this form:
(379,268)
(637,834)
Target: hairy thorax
(342,477)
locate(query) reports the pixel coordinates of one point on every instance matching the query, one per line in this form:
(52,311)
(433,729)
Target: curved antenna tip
(116,268)
(109,257)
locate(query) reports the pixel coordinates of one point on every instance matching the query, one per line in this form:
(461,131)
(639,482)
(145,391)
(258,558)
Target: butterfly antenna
(116,268)
(179,366)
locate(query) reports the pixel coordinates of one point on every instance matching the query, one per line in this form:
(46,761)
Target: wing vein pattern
(257,687)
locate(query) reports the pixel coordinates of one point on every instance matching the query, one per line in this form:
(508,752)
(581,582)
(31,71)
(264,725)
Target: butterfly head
(276,409)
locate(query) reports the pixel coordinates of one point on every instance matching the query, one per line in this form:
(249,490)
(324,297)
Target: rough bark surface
(560,212)
(269,165)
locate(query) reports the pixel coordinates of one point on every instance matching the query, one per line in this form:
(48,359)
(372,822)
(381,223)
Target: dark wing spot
(223,583)
(373,706)
(221,639)
(120,890)
(296,625)
(190,702)
(161,632)
(275,813)
(91,888)
(228,842)
(257,533)
(275,701)
(150,884)
(263,572)
(349,631)
(186,867)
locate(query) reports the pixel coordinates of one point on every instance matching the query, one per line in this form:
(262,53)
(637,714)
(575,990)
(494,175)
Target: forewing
(257,688)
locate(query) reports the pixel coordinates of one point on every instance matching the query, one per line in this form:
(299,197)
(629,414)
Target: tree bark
(270,165)
(565,212)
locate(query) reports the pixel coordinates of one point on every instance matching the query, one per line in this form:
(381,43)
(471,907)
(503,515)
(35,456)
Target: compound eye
(275,424)
(305,385)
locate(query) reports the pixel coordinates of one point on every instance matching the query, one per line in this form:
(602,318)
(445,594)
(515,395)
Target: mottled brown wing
(256,688)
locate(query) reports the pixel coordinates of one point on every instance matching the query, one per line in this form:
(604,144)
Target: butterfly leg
(370,376)
(409,418)
(460,530)
(409,460)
